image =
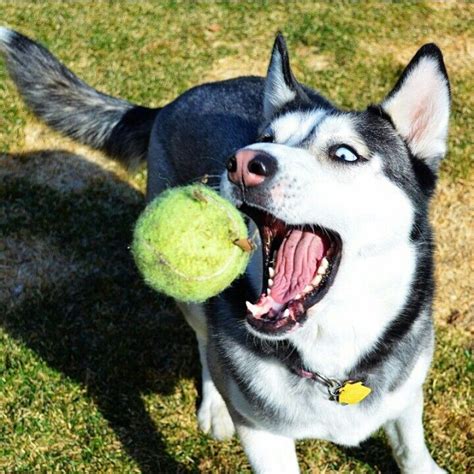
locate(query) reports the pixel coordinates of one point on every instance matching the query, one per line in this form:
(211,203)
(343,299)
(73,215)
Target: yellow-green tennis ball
(183,243)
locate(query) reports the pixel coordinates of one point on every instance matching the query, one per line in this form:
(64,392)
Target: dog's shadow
(76,299)
(375,453)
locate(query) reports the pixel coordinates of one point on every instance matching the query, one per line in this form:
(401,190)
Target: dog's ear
(419,105)
(281,87)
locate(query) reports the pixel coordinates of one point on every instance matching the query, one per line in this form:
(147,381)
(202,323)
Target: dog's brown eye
(266,138)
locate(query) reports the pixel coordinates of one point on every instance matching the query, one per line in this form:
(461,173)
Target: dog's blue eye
(344,153)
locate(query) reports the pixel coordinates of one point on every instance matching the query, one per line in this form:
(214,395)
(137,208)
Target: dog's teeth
(271,272)
(323,266)
(317,280)
(270,283)
(254,309)
(286,313)
(298,296)
(308,288)
(269,291)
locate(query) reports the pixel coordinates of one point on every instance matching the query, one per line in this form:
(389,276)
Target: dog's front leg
(268,453)
(213,416)
(405,435)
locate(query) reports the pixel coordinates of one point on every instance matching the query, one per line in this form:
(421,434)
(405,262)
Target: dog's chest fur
(266,393)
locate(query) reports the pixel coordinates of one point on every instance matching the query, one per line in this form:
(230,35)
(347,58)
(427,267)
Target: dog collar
(349,392)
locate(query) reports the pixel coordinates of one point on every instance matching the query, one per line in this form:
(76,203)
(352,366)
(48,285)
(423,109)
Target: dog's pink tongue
(296,264)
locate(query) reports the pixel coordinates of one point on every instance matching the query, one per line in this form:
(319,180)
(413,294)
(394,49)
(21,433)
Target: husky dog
(338,304)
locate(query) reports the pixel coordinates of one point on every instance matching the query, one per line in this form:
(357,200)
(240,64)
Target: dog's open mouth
(300,264)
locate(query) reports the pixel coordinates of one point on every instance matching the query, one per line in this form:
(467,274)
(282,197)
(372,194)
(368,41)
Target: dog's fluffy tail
(70,106)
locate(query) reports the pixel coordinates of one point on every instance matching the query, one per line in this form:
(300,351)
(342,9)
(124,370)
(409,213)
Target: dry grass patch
(453,218)
(234,66)
(38,137)
(458,51)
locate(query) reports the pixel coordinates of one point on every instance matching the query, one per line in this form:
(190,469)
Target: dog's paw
(214,418)
(435,469)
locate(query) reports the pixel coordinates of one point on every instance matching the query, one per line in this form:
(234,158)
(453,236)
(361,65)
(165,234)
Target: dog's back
(179,140)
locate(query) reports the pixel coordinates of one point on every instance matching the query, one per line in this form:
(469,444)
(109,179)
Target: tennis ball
(184,243)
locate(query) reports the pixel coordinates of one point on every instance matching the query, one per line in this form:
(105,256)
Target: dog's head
(325,185)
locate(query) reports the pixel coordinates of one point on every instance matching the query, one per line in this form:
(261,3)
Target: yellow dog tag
(352,392)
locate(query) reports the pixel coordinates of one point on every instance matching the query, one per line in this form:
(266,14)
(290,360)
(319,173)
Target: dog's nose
(251,167)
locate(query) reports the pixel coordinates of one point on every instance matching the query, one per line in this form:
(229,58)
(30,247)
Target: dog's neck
(367,295)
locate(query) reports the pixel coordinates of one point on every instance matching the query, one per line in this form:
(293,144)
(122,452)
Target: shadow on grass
(374,452)
(98,325)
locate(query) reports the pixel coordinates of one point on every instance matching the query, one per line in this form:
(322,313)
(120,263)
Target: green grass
(97,372)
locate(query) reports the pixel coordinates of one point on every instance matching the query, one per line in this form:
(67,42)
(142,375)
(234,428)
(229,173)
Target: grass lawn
(97,372)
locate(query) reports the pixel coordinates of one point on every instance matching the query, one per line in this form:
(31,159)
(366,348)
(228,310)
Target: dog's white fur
(5,34)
